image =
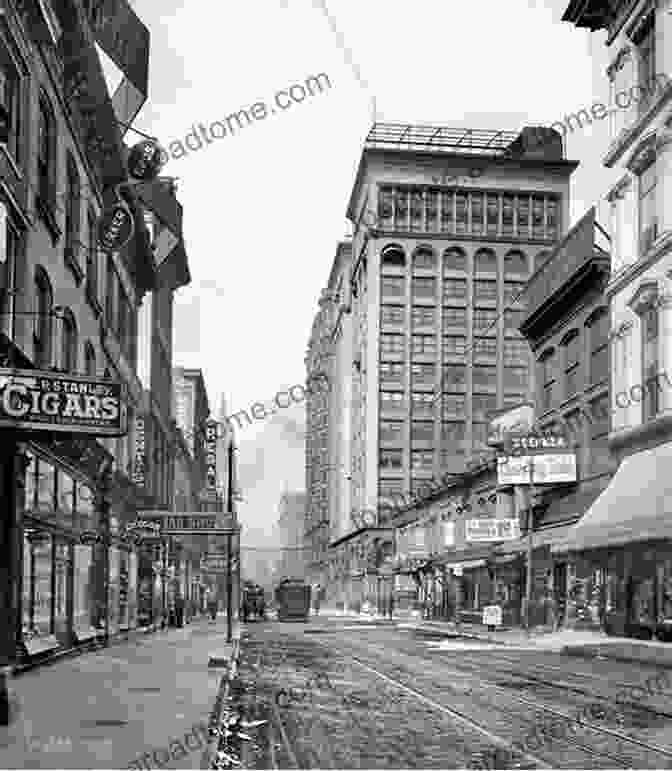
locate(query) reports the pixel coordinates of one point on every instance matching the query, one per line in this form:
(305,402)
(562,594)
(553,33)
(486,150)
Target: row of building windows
(484,322)
(561,375)
(454,376)
(476,212)
(120,318)
(455,260)
(425,288)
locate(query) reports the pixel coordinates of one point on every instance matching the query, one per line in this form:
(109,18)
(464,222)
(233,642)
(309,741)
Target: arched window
(454,259)
(72,206)
(42,330)
(89,359)
(424,258)
(92,257)
(46,154)
(515,262)
(485,261)
(393,256)
(572,349)
(598,341)
(69,342)
(541,258)
(547,378)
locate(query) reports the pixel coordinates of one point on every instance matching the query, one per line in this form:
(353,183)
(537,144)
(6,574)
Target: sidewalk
(107,708)
(582,643)
(570,642)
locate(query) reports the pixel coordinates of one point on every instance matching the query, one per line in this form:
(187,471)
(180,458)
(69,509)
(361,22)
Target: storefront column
(103,505)
(11,556)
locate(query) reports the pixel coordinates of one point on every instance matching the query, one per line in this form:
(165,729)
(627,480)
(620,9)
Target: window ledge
(93,301)
(46,212)
(71,256)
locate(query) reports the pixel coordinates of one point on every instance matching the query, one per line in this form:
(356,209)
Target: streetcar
(253,604)
(292,600)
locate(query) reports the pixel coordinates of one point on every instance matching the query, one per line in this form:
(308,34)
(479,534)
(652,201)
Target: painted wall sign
(140,455)
(211,456)
(490,530)
(115,227)
(144,161)
(35,400)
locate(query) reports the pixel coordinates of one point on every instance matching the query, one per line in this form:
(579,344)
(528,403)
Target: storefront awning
(549,536)
(466,565)
(636,506)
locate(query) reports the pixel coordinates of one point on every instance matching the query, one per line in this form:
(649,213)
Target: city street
(345,693)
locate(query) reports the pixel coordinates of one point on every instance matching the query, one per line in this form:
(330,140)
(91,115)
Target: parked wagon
(292,599)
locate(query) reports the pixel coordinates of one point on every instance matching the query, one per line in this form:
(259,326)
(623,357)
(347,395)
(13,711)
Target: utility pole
(530,547)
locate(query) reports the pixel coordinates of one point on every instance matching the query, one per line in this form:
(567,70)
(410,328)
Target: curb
(223,694)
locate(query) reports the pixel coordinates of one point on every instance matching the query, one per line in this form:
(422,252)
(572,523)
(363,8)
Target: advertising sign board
(37,400)
(537,469)
(492,615)
(191,522)
(140,455)
(211,456)
(515,420)
(513,470)
(489,530)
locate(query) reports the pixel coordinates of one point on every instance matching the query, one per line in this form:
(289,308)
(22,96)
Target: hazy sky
(264,209)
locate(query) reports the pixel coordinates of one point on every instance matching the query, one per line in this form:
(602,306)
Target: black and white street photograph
(335,384)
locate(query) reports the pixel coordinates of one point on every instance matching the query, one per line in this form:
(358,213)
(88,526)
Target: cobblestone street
(338,694)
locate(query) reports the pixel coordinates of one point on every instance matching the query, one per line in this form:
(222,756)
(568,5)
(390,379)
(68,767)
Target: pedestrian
(179,611)
(390,605)
(316,601)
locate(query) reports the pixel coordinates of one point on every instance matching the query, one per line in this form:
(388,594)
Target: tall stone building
(449,224)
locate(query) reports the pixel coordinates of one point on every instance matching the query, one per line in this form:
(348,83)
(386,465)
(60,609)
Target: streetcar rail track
(570,688)
(454,714)
(621,760)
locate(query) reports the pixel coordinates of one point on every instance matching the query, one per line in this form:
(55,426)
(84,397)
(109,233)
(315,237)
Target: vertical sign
(140,455)
(211,456)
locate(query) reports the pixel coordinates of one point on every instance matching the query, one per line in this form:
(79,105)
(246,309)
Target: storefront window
(66,493)
(46,487)
(61,564)
(31,484)
(133,590)
(114,590)
(123,589)
(85,508)
(27,586)
(42,550)
(83,595)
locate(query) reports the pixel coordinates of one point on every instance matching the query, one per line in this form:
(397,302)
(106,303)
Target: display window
(61,570)
(132,590)
(43,575)
(114,590)
(83,590)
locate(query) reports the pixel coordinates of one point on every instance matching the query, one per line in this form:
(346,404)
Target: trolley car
(292,599)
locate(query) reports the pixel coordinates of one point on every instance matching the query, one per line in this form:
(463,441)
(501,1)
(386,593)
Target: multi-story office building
(626,532)
(448,226)
(326,481)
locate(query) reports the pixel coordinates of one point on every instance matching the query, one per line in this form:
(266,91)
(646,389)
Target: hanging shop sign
(144,161)
(535,444)
(549,468)
(140,454)
(144,528)
(489,530)
(115,227)
(191,523)
(515,420)
(36,400)
(211,456)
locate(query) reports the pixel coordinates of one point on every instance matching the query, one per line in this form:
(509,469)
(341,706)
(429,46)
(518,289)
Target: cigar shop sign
(34,400)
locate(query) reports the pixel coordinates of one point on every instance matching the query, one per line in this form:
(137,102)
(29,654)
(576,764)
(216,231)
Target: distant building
(291,523)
